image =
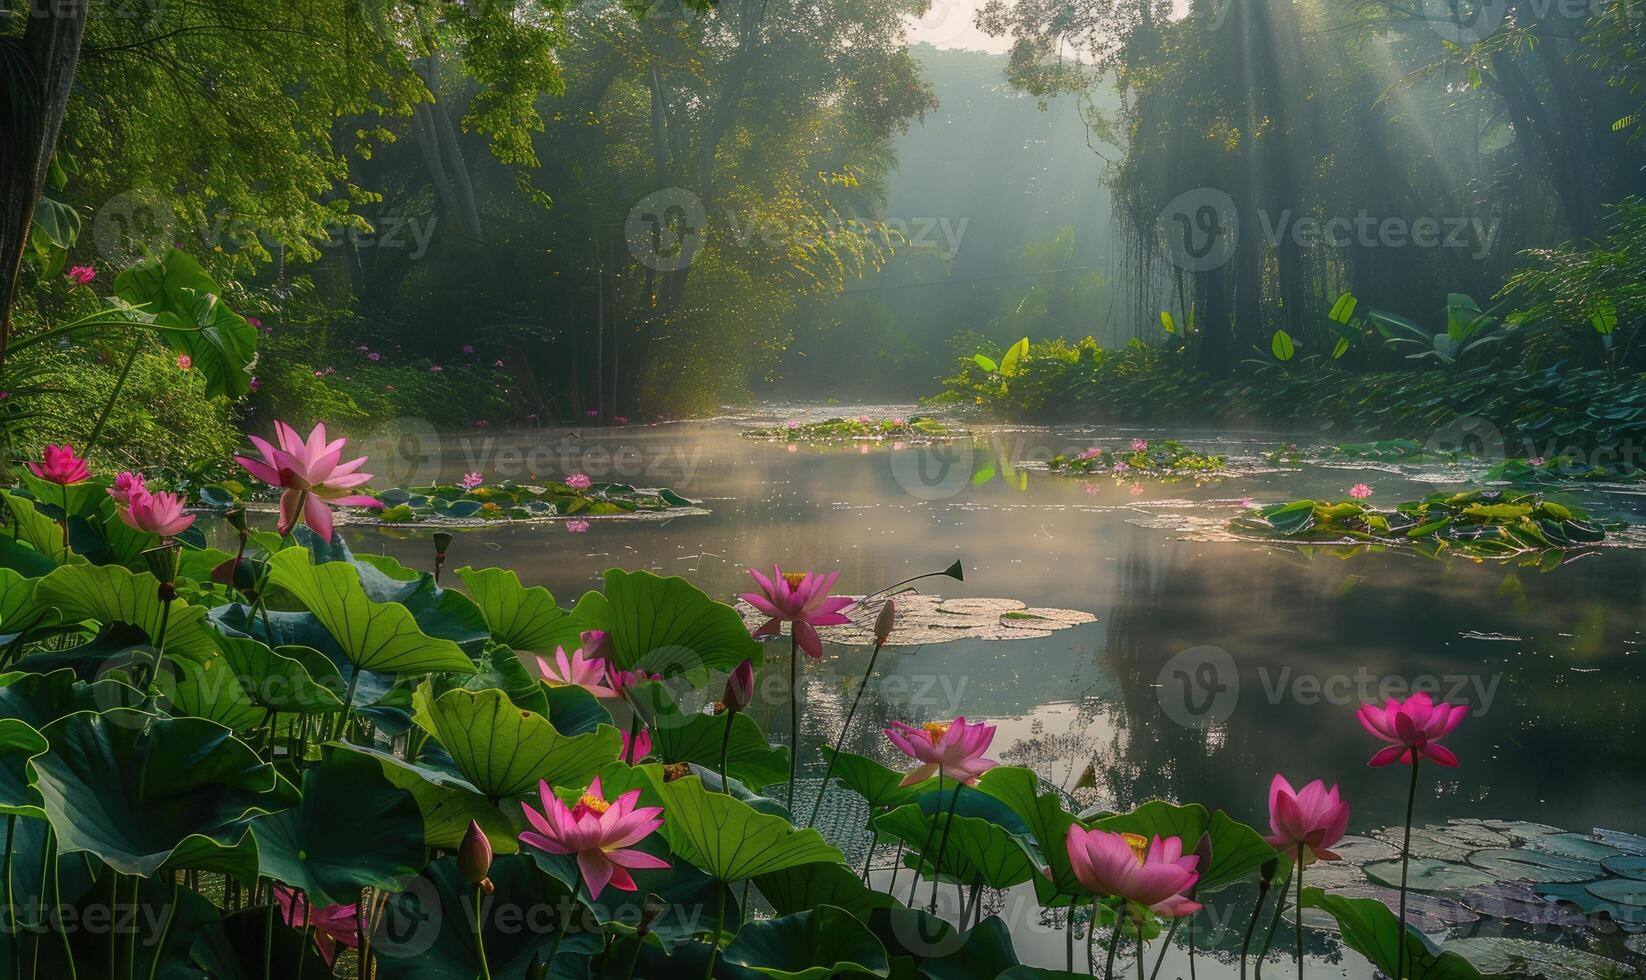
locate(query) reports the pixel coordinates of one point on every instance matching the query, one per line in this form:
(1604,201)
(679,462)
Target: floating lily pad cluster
(923,619)
(1165,459)
(509,501)
(915,427)
(1394,451)
(1485,523)
(1560,469)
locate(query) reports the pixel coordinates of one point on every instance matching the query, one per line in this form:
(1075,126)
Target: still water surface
(1549,661)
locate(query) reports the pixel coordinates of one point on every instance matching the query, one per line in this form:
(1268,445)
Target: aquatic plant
(466,503)
(1167,459)
(311,476)
(917,427)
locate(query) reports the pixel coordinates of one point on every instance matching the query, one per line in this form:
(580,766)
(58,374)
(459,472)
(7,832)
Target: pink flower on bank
(1536,461)
(1314,819)
(334,925)
(1091,453)
(1360,491)
(593,413)
(1413,727)
(1135,489)
(60,465)
(579,481)
(471,480)
(801,599)
(127,485)
(599,833)
(864,419)
(1121,467)
(184,362)
(952,749)
(435,369)
(1140,445)
(155,513)
(577,527)
(1151,874)
(374,356)
(312,475)
(255,384)
(81,275)
(898,423)
(792,424)
(641,747)
(577,670)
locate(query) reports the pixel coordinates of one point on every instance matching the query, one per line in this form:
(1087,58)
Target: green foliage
(1164,458)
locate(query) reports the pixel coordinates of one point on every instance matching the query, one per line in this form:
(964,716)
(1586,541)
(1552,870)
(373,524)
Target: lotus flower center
(936,729)
(794,579)
(1139,846)
(594,803)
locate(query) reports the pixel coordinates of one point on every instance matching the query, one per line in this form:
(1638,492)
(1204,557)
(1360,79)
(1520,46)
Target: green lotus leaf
(1428,875)
(17,606)
(1369,928)
(661,625)
(524,618)
(232,948)
(812,945)
(442,613)
(42,535)
(448,802)
(1577,846)
(976,852)
(1620,891)
(696,738)
(500,668)
(354,828)
(376,636)
(984,951)
(573,710)
(730,839)
(1237,850)
(502,749)
(808,886)
(427,931)
(1522,864)
(1496,955)
(111,594)
(135,789)
(40,699)
(1048,822)
(208,688)
(880,787)
(290,678)
(19,744)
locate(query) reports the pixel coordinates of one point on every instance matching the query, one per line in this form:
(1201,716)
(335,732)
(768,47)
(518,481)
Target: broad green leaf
(1167,323)
(353,829)
(1048,821)
(374,636)
(975,852)
(142,791)
(880,787)
(807,886)
(500,668)
(985,952)
(697,737)
(112,594)
(283,679)
(208,688)
(1369,928)
(730,839)
(985,362)
(19,743)
(523,618)
(1237,850)
(448,802)
(39,532)
(1281,345)
(662,625)
(18,610)
(504,749)
(192,320)
(811,945)
(1013,358)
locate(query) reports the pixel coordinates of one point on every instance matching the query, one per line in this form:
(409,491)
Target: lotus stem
(342,724)
(1274,922)
(943,842)
(1164,947)
(57,895)
(1300,912)
(725,750)
(160,642)
(868,859)
(308,925)
(577,886)
(136,917)
(114,395)
(479,934)
(268,935)
(719,926)
(794,714)
(165,930)
(1251,925)
(897,865)
(844,728)
(634,957)
(926,848)
(634,737)
(1114,941)
(1405,856)
(11,902)
(1140,946)
(1068,938)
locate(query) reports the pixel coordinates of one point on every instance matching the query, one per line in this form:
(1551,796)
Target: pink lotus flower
(641,746)
(373,356)
(739,687)
(1091,453)
(577,670)
(1120,467)
(898,423)
(60,465)
(945,748)
(1536,461)
(792,424)
(801,599)
(184,362)
(1140,445)
(126,485)
(1313,819)
(81,275)
(1151,874)
(577,527)
(1413,727)
(599,833)
(474,858)
(864,420)
(1360,491)
(155,513)
(334,925)
(579,481)
(1135,489)
(621,680)
(471,480)
(312,476)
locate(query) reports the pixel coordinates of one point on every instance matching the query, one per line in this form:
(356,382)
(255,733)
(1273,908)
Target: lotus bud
(1266,876)
(236,517)
(474,858)
(596,645)
(442,541)
(739,687)
(884,622)
(163,561)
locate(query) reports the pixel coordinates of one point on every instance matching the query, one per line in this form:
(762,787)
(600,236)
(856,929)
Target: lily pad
(1428,875)
(1626,865)
(1516,901)
(1576,846)
(1623,891)
(1521,864)
(1521,957)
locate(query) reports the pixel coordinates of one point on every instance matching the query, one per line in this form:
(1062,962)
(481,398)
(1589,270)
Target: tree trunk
(44,64)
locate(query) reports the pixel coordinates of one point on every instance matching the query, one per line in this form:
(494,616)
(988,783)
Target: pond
(1211,663)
